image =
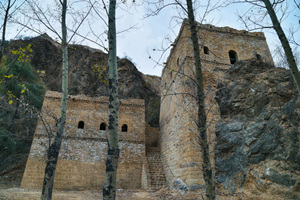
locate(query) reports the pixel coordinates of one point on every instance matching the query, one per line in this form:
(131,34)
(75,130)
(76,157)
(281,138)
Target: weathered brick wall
(151,135)
(81,164)
(178,135)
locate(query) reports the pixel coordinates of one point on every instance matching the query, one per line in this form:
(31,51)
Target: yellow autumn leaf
(10,102)
(9,76)
(23,85)
(22,91)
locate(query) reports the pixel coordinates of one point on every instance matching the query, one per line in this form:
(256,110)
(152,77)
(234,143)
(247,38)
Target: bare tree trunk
(16,113)
(4,31)
(109,187)
(53,152)
(201,124)
(285,43)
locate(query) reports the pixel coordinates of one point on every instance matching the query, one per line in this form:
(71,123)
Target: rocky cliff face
(84,77)
(258,136)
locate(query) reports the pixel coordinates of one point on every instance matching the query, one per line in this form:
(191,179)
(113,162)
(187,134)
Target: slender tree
(109,187)
(285,43)
(53,151)
(257,21)
(6,10)
(201,123)
(33,14)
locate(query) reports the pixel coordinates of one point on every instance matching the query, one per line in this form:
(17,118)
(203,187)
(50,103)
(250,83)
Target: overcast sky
(150,33)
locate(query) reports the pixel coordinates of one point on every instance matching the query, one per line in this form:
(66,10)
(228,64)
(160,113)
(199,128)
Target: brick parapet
(100,100)
(229,30)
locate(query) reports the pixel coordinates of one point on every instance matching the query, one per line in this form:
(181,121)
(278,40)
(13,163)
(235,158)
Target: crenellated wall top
(229,30)
(97,100)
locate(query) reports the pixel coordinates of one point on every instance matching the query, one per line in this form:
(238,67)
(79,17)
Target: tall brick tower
(220,48)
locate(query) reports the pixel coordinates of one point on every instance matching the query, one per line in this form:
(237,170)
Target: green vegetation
(21,98)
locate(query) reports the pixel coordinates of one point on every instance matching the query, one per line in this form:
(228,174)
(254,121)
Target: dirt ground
(10,190)
(23,194)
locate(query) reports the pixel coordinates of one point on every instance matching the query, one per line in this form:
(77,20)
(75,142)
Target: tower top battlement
(220,46)
(228,30)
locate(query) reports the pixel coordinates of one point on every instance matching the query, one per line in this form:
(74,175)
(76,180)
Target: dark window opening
(124,128)
(177,61)
(81,125)
(258,57)
(232,56)
(206,51)
(102,127)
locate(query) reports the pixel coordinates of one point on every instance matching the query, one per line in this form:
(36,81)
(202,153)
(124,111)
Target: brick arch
(103,126)
(232,56)
(80,125)
(206,50)
(124,128)
(258,56)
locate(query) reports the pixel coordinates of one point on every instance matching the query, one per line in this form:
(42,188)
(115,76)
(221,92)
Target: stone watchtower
(220,48)
(81,164)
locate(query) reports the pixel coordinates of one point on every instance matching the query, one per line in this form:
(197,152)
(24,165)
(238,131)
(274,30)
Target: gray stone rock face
(258,138)
(179,185)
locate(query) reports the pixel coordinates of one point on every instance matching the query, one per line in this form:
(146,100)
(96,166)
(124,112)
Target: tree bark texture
(4,31)
(201,123)
(285,44)
(53,152)
(109,187)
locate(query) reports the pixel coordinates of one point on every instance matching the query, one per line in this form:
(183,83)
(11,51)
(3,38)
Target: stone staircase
(156,170)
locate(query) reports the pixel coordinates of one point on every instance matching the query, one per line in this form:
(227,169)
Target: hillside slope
(84,78)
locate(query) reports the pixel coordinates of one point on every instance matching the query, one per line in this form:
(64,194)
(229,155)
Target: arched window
(206,50)
(102,126)
(258,57)
(81,125)
(233,57)
(124,128)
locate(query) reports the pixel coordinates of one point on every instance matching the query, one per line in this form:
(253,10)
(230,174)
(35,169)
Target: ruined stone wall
(81,164)
(178,132)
